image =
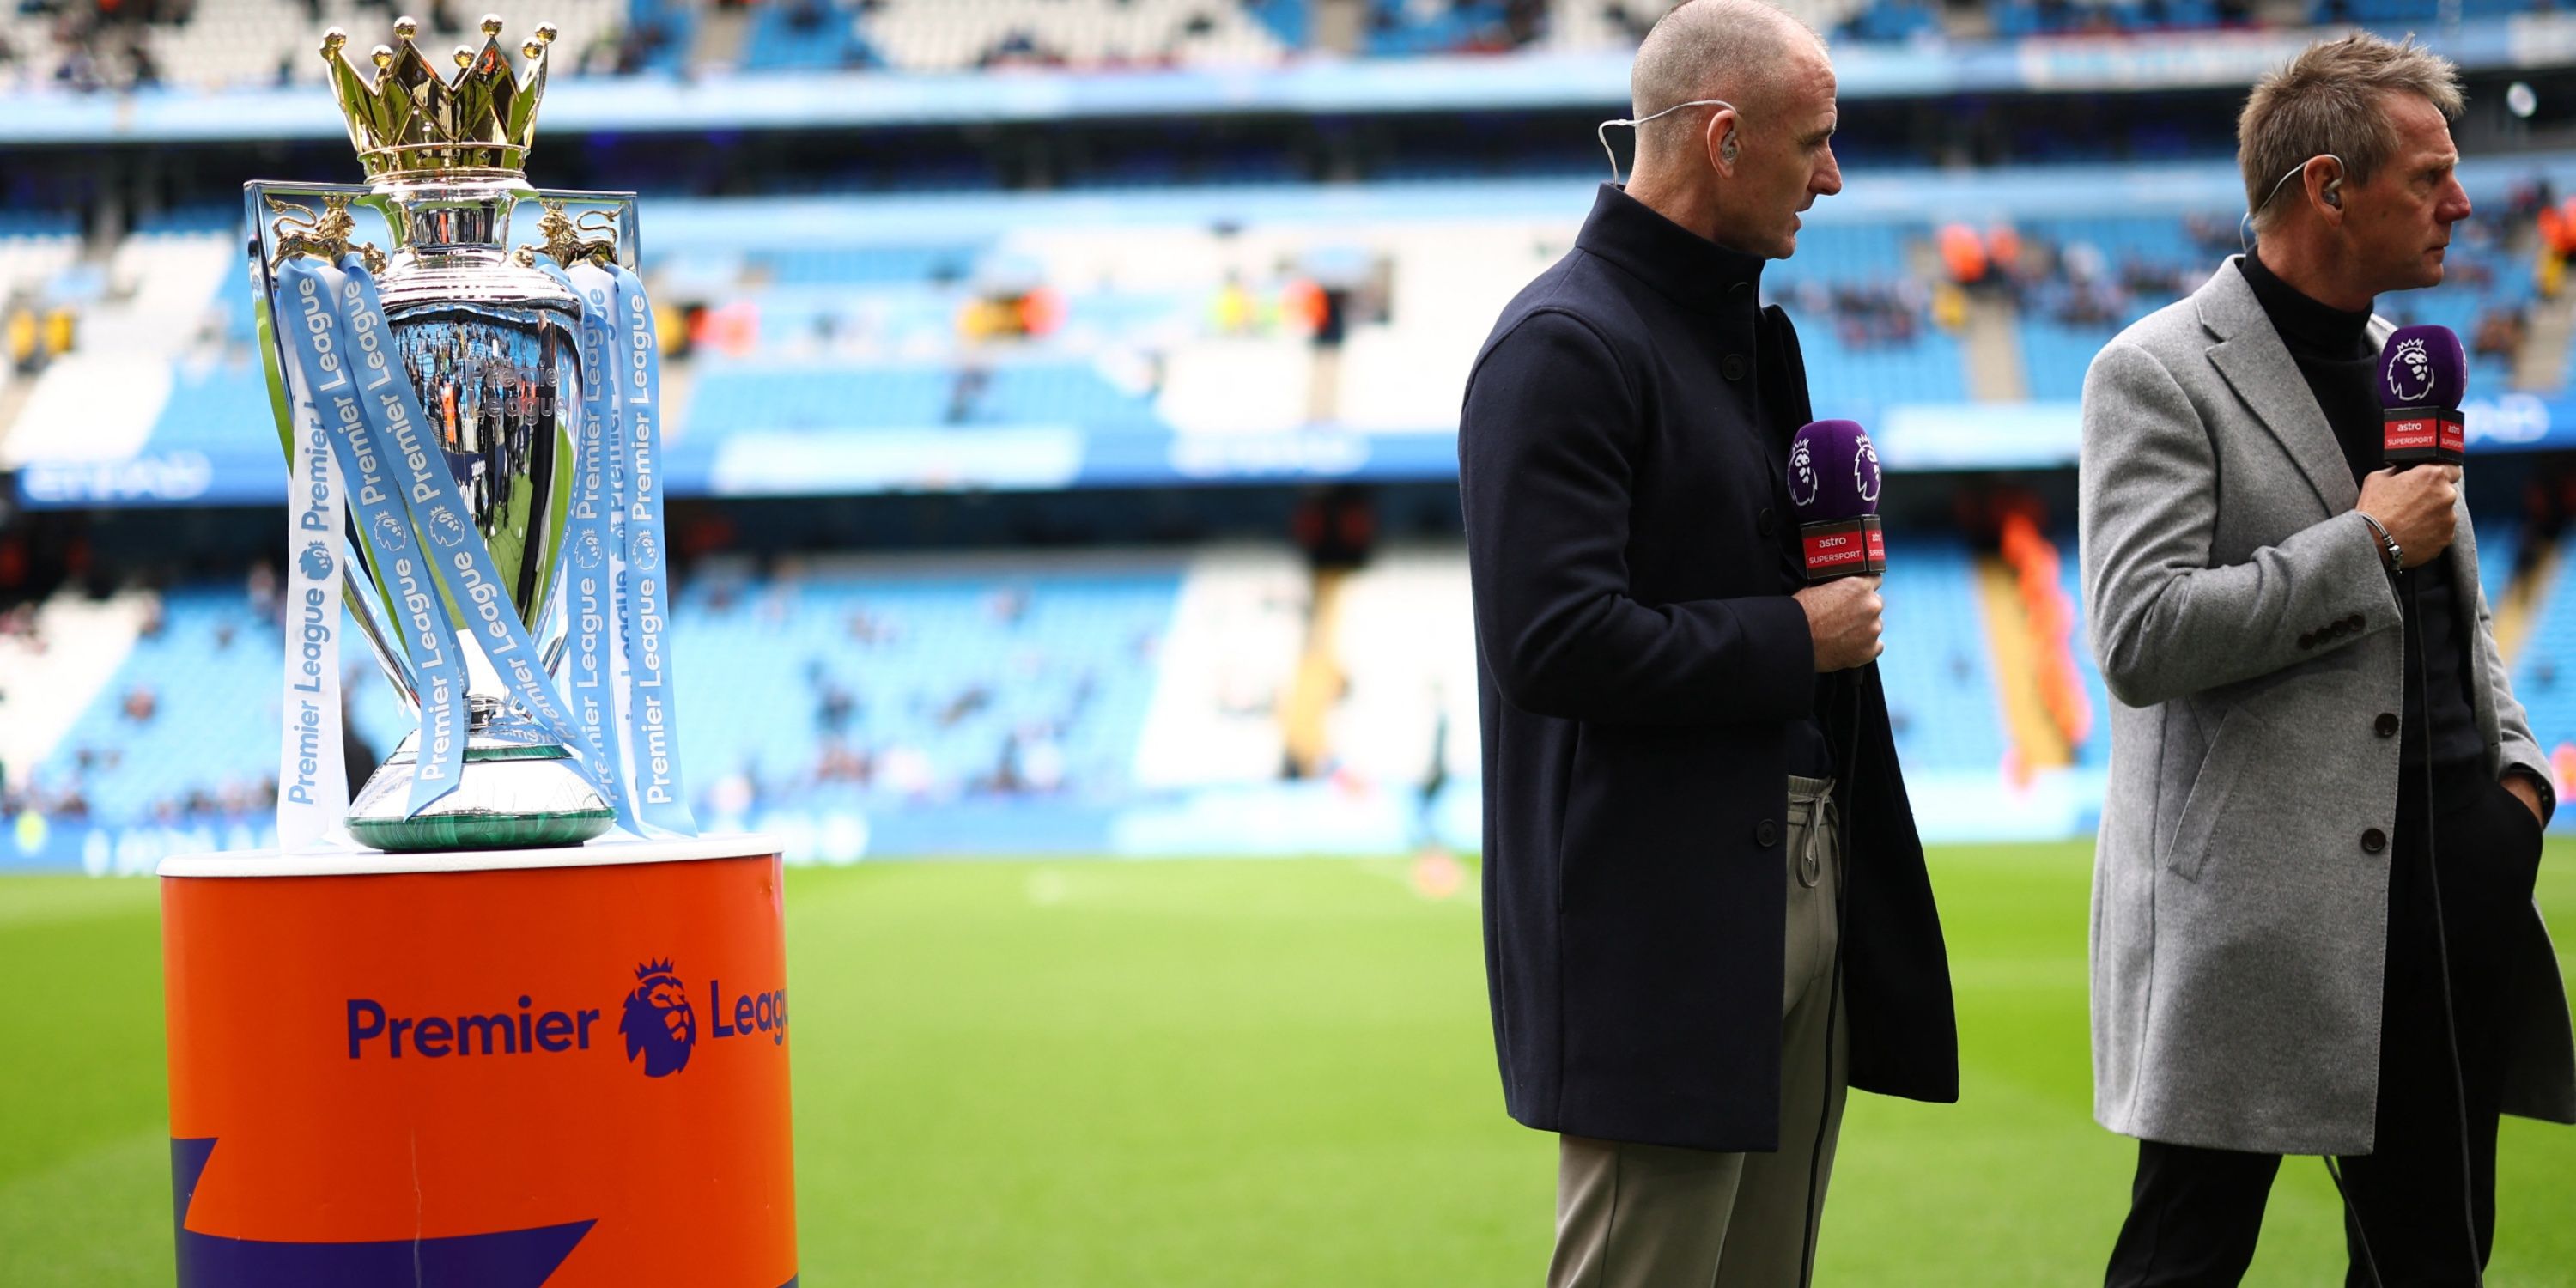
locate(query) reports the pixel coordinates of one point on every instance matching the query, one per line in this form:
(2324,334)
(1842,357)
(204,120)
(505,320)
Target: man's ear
(2326,182)
(1721,140)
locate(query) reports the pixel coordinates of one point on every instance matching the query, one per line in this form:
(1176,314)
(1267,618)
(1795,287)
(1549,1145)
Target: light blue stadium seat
(1939,669)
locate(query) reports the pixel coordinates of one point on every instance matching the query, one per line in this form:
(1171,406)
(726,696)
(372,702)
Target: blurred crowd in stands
(91,45)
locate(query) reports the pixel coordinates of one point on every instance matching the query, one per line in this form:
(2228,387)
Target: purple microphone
(2423,373)
(1833,484)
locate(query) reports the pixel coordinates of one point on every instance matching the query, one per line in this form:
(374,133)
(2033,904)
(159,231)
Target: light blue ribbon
(593,538)
(338,364)
(644,608)
(457,554)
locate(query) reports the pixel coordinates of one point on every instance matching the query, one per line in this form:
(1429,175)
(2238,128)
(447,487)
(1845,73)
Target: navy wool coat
(1639,663)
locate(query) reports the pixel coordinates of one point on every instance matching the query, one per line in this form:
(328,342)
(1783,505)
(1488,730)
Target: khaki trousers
(1652,1216)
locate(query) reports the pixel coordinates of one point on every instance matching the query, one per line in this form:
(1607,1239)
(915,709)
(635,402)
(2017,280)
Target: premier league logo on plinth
(468,413)
(658,1023)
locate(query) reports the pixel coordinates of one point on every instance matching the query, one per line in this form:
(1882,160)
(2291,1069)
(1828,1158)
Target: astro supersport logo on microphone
(657,1018)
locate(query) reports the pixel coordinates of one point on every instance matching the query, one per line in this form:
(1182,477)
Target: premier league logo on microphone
(2410,372)
(2423,372)
(1865,471)
(1803,480)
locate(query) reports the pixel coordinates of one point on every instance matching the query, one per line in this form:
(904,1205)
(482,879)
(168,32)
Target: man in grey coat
(2313,930)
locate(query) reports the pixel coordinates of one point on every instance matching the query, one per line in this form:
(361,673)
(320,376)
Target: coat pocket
(2213,788)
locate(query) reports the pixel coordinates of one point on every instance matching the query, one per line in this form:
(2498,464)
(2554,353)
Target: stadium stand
(956,35)
(1938,669)
(1237,625)
(2095,751)
(2544,676)
(1408,649)
(867,681)
(1166,287)
(894,683)
(242,44)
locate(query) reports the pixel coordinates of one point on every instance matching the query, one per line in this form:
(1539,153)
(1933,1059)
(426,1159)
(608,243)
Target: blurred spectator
(833,710)
(140,704)
(837,762)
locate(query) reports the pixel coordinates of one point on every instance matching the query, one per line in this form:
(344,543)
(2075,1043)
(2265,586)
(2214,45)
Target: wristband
(2389,549)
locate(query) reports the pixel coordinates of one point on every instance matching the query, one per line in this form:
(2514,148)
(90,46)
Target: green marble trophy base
(509,796)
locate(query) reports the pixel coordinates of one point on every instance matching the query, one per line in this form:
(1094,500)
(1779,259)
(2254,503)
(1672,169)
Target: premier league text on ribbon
(382,512)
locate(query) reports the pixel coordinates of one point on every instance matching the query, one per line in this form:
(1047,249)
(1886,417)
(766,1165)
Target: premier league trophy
(483,425)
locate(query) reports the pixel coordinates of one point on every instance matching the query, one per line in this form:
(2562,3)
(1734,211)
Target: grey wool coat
(2251,638)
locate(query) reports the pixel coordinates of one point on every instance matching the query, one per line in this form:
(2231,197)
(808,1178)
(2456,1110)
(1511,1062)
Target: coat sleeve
(2165,622)
(1547,451)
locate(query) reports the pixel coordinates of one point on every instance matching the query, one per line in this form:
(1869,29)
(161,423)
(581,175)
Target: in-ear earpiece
(2334,193)
(1727,149)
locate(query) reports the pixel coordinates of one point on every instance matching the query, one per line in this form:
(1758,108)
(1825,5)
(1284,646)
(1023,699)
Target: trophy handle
(605,231)
(273,232)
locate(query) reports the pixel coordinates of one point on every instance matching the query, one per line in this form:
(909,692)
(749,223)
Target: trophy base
(509,796)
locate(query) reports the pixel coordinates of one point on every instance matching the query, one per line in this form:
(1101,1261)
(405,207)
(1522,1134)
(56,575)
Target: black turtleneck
(2334,353)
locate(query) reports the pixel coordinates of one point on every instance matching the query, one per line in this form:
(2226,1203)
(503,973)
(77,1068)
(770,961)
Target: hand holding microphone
(1833,485)
(2423,374)
(2415,505)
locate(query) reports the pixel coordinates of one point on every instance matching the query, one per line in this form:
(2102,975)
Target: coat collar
(2258,366)
(1684,267)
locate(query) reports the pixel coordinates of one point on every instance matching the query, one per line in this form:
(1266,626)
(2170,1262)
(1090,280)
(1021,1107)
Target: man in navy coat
(1694,820)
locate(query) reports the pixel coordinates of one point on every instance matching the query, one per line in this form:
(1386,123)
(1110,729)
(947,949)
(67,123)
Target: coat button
(2340,629)
(1731,366)
(1766,834)
(1766,521)
(2386,725)
(2373,841)
(2307,640)
(2355,620)
(1740,292)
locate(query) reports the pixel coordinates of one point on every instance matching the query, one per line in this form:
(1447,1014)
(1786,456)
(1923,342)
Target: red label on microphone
(1828,551)
(2423,436)
(1844,547)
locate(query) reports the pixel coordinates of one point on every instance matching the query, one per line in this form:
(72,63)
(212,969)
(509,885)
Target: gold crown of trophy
(491,346)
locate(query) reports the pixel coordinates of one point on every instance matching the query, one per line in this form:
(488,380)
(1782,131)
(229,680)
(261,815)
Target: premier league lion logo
(648,556)
(1802,473)
(393,536)
(1865,471)
(658,1022)
(2410,371)
(315,562)
(447,530)
(586,553)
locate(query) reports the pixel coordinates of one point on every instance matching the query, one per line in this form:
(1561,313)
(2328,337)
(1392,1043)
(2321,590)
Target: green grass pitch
(1216,1073)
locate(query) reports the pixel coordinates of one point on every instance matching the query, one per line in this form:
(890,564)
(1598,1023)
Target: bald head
(1741,51)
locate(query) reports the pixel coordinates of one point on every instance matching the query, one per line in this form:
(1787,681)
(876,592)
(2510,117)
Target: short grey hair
(1726,49)
(2330,101)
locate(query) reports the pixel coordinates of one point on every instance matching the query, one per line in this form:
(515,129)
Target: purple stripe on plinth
(504,1259)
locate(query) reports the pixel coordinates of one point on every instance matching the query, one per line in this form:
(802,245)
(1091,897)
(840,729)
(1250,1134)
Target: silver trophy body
(491,348)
